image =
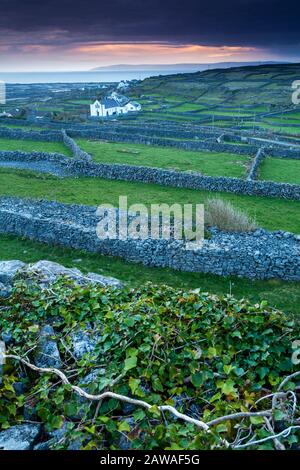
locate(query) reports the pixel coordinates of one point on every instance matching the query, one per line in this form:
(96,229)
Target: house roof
(110,103)
(107,102)
(122,100)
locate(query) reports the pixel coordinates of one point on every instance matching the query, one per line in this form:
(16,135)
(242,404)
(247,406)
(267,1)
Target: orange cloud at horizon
(164,53)
(85,56)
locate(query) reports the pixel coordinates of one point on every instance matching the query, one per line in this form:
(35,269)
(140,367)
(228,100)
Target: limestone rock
(83,343)
(48,271)
(5,290)
(20,437)
(9,269)
(47,354)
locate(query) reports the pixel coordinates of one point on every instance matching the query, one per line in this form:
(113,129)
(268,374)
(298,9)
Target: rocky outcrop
(84,342)
(45,273)
(20,437)
(47,353)
(9,270)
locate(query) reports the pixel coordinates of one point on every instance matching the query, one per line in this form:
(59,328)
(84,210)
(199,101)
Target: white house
(113,105)
(123,85)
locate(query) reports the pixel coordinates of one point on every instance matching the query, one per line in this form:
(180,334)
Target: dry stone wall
(79,168)
(257,255)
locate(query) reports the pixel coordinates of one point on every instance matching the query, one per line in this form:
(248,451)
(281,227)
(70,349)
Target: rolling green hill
(259,86)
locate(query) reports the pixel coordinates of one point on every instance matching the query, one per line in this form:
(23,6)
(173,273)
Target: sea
(79,77)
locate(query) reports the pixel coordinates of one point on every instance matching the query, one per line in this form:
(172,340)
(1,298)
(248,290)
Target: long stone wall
(193,145)
(79,168)
(259,157)
(257,255)
(121,135)
(186,180)
(16,155)
(41,136)
(201,139)
(77,152)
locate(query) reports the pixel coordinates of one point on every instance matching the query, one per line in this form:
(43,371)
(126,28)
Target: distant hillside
(249,85)
(178,68)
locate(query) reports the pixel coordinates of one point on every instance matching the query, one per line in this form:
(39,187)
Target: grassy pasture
(34,146)
(185,107)
(208,163)
(270,213)
(281,170)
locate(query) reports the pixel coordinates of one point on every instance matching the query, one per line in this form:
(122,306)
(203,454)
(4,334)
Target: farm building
(113,105)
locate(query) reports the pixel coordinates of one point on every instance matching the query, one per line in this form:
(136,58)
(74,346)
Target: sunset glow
(85,56)
(65,35)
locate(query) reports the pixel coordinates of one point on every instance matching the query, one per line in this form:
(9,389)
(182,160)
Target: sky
(56,35)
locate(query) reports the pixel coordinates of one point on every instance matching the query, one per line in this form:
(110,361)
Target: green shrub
(207,355)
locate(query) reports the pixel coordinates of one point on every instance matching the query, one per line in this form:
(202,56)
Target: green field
(20,126)
(34,146)
(208,163)
(187,107)
(274,127)
(281,170)
(265,87)
(270,213)
(84,102)
(234,113)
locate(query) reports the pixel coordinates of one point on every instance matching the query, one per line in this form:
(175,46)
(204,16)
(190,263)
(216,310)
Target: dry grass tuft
(223,216)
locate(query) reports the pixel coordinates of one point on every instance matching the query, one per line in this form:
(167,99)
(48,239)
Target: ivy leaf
(154,410)
(221,428)
(236,334)
(278,415)
(124,427)
(138,415)
(103,419)
(134,384)
(70,409)
(262,372)
(239,371)
(256,419)
(130,363)
(228,387)
(197,379)
(212,352)
(56,422)
(33,328)
(131,360)
(228,368)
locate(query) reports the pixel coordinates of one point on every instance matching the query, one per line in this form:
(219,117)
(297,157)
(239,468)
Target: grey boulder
(20,437)
(48,272)
(47,353)
(84,342)
(9,270)
(5,290)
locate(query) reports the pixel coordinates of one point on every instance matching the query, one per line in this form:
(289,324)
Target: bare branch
(246,414)
(107,394)
(287,379)
(206,426)
(285,433)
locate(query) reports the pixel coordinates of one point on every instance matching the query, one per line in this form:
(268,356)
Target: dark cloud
(261,23)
